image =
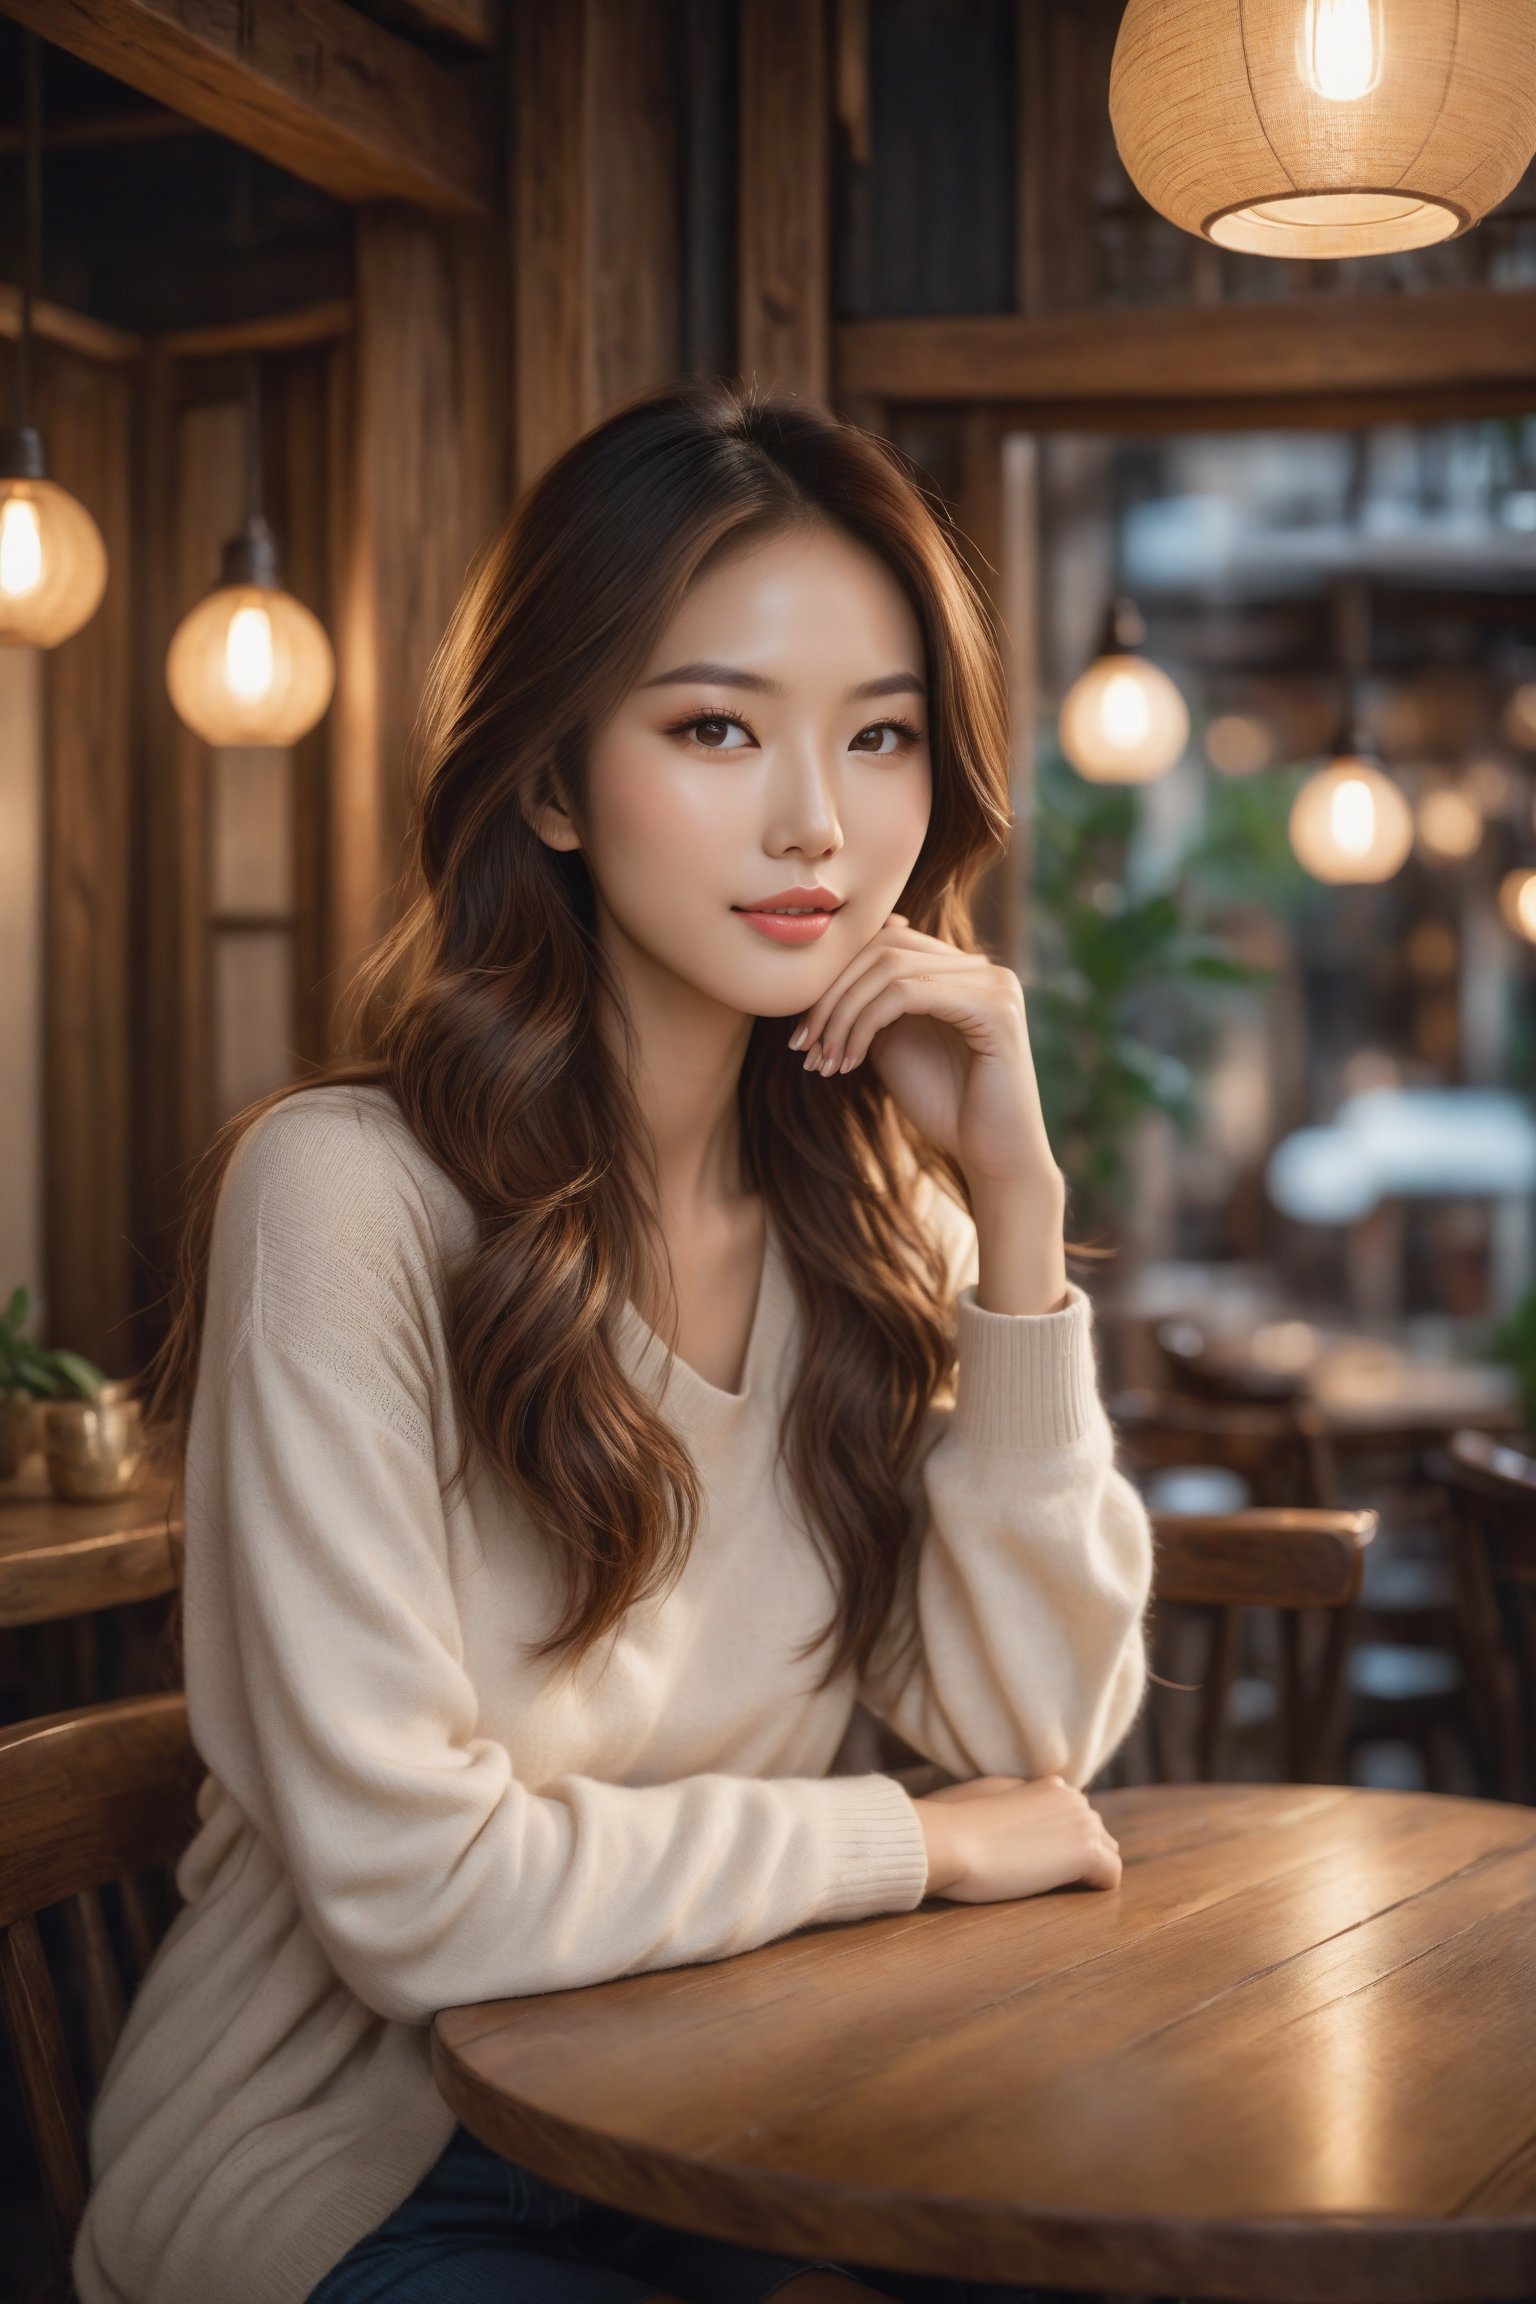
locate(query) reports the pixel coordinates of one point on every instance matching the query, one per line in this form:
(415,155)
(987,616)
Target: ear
(549,817)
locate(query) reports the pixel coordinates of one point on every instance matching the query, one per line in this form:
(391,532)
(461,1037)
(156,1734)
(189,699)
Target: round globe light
(53,564)
(250,665)
(1350,823)
(1324,128)
(1123,721)
(1517,902)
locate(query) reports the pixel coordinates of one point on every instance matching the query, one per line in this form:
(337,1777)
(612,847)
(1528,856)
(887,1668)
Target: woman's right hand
(1000,1837)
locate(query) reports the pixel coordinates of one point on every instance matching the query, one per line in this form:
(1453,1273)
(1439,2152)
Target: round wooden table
(60,1560)
(1293,2057)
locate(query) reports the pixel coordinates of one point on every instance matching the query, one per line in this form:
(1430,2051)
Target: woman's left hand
(946,1032)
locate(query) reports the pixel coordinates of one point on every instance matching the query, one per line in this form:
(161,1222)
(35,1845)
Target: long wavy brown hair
(481,1014)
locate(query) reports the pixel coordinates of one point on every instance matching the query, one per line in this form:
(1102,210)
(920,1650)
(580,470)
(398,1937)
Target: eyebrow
(733,676)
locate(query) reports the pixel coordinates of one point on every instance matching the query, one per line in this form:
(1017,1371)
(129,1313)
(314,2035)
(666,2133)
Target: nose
(803,814)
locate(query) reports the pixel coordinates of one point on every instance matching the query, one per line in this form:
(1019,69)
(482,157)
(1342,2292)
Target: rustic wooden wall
(596,187)
(420,454)
(87,411)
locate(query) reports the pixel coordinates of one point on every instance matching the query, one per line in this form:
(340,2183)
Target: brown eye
(880,736)
(713,732)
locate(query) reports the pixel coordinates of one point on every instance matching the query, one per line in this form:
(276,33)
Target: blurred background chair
(1491,1491)
(1303,1568)
(89,1799)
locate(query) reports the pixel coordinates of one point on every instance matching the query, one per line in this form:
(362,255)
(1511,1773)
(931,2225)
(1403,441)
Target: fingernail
(797,1039)
(813,1059)
(846,1064)
(828,1065)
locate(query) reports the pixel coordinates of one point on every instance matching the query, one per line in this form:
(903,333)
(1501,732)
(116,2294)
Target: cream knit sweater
(403,1812)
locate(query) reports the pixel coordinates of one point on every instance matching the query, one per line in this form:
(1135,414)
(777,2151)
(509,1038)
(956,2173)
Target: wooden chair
(1491,1487)
(1280,1449)
(87,1799)
(1291,1559)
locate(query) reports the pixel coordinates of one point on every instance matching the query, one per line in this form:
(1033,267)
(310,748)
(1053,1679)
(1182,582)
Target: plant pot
(94,1448)
(19,1434)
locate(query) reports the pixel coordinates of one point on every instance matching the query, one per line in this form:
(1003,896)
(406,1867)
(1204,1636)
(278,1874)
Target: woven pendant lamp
(1325,127)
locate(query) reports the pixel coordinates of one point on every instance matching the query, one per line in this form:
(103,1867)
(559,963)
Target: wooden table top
(1292,2057)
(66,1559)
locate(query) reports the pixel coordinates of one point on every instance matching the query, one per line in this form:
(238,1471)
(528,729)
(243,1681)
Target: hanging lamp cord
(32,245)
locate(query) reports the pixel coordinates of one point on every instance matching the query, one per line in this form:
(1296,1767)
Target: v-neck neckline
(678,1371)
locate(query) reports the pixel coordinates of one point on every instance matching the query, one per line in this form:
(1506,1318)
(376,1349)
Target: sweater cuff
(1026,1379)
(879,1856)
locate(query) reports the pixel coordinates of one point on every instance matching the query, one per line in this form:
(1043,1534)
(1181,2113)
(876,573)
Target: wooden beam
(1441,339)
(595,209)
(309,84)
(76,331)
(785,196)
(467,23)
(272,332)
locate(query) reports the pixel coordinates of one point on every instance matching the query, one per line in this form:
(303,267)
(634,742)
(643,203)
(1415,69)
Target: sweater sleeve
(1016,1645)
(429,1873)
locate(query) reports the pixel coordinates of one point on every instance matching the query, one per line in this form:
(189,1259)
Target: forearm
(1020,1242)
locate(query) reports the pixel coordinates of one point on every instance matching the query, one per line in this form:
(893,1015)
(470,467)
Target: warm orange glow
(1350,823)
(1123,722)
(53,564)
(250,665)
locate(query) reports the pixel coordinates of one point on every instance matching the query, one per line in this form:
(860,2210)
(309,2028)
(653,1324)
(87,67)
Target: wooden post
(86,410)
(785,197)
(419,455)
(595,214)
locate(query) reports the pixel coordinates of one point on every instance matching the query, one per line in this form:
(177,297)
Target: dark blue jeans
(480,2230)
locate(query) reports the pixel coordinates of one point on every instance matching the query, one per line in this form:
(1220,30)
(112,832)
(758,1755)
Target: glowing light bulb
(1349,822)
(1517,902)
(1352,816)
(1123,721)
(21,549)
(1342,62)
(1125,711)
(248,662)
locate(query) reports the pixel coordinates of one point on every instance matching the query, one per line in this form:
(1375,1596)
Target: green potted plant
(58,1400)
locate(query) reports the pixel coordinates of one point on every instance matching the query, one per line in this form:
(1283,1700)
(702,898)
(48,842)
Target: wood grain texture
(420,451)
(309,84)
(1297,345)
(86,1797)
(1261,1559)
(1288,2059)
(89,1796)
(87,410)
(785,198)
(30,2010)
(596,187)
(59,1560)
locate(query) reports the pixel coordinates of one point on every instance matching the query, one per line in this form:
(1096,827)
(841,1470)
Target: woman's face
(777,742)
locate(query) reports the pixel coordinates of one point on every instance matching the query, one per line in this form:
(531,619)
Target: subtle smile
(793,916)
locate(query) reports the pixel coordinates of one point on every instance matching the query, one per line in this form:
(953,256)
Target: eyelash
(904,728)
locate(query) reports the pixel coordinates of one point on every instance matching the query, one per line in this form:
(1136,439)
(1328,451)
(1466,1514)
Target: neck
(688,1051)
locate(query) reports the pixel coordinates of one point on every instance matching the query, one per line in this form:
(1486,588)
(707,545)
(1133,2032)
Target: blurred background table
(1289,2058)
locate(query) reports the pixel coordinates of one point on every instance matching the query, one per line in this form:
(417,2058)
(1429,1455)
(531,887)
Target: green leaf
(16,1310)
(86,1378)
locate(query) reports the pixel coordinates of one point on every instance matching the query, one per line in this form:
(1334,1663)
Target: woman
(658,1343)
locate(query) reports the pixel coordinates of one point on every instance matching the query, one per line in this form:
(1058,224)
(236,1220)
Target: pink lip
(805,928)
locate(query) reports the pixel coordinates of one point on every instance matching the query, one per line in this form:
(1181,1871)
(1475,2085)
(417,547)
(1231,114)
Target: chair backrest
(87,1799)
(1286,1558)
(1492,1488)
(1281,1450)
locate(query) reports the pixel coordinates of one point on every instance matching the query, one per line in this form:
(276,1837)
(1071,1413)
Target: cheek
(894,815)
(662,828)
